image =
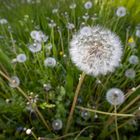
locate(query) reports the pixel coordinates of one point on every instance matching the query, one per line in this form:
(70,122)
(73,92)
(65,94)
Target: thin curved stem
(76,138)
(116,125)
(105,113)
(74,102)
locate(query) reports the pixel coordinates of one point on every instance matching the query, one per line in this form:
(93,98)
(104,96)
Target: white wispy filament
(96,50)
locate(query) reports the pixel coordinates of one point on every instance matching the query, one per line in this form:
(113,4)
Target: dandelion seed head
(28,131)
(47,87)
(115,96)
(38,36)
(21,58)
(96,50)
(14,82)
(85,115)
(130,73)
(88,5)
(35,47)
(50,62)
(133,59)
(121,11)
(57,124)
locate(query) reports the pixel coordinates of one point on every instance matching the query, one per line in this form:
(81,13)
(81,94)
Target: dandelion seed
(138,31)
(133,89)
(3,21)
(115,96)
(88,5)
(72,6)
(70,26)
(94,17)
(47,87)
(21,58)
(130,73)
(28,131)
(14,61)
(8,101)
(85,17)
(98,81)
(85,115)
(64,55)
(52,24)
(50,62)
(57,124)
(14,82)
(121,11)
(95,116)
(96,50)
(54,11)
(133,59)
(48,46)
(36,47)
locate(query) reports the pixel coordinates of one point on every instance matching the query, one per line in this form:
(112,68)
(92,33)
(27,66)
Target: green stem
(116,125)
(105,113)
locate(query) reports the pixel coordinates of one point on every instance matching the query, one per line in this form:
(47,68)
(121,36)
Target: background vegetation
(16,116)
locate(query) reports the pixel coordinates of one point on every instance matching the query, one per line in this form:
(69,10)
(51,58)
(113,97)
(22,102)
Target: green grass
(56,103)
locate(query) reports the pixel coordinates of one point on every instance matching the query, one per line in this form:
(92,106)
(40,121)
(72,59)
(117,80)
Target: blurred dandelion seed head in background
(121,11)
(133,59)
(35,47)
(50,62)
(115,96)
(21,58)
(96,50)
(88,5)
(14,82)
(130,73)
(57,124)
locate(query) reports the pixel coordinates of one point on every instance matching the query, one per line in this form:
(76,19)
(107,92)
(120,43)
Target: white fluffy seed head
(14,82)
(121,11)
(88,5)
(35,47)
(96,50)
(133,59)
(50,62)
(130,73)
(57,124)
(115,96)
(21,58)
(28,131)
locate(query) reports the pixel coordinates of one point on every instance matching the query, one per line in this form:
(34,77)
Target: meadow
(70,70)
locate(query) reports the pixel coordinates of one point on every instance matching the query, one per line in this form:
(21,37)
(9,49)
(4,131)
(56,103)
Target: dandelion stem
(42,118)
(116,125)
(76,138)
(105,113)
(131,103)
(74,102)
(35,137)
(59,138)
